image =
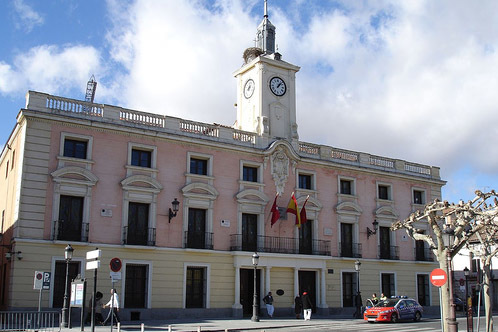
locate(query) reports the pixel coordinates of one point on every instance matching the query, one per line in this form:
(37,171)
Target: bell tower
(266,88)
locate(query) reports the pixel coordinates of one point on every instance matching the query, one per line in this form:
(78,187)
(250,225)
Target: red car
(394,310)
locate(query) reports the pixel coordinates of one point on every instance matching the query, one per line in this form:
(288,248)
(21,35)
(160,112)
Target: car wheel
(417,317)
(394,318)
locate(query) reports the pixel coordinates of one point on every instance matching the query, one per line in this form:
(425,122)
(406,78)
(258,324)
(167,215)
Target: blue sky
(412,80)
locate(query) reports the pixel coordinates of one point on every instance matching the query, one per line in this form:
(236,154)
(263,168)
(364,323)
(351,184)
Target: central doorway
(307,283)
(247,290)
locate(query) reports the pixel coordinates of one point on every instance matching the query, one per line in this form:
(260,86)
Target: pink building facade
(94,175)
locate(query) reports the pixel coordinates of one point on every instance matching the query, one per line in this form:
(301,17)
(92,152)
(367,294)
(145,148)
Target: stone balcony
(43,102)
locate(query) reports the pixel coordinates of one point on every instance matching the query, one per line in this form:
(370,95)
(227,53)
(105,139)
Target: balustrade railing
(424,255)
(389,252)
(345,155)
(73,106)
(281,245)
(139,237)
(142,118)
(70,231)
(199,128)
(350,250)
(198,240)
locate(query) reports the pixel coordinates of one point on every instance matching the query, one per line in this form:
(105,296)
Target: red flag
(303,211)
(294,209)
(275,214)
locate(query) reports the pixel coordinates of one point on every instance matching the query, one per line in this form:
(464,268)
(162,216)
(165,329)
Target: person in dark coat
(298,306)
(307,306)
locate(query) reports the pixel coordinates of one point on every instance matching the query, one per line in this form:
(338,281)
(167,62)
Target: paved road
(282,324)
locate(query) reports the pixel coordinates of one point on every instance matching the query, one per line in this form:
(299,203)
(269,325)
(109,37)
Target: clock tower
(266,88)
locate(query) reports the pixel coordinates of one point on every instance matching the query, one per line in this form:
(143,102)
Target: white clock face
(249,88)
(277,86)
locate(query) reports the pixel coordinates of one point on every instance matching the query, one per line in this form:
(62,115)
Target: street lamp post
(448,235)
(467,306)
(357,264)
(68,255)
(255,318)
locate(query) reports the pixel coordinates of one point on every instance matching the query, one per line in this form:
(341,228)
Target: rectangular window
(138,224)
(195,287)
(250,173)
(387,280)
(420,254)
(70,218)
(383,192)
(306,238)
(418,197)
(3,221)
(346,187)
(423,289)
(305,181)
(385,242)
(198,166)
(141,158)
(136,286)
(196,234)
(346,240)
(249,232)
(75,149)
(13,159)
(7,170)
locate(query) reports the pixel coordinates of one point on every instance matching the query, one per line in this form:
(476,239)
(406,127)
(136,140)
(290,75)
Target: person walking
(298,306)
(268,300)
(358,304)
(98,309)
(307,306)
(113,304)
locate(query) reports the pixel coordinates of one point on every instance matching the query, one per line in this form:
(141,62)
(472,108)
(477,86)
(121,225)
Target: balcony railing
(390,252)
(424,255)
(281,245)
(350,250)
(197,240)
(66,232)
(144,237)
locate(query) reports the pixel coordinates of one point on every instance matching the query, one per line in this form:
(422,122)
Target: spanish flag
(294,209)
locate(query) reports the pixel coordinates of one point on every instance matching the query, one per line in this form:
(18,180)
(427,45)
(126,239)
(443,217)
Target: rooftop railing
(106,113)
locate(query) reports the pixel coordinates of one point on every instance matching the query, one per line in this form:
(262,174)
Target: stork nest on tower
(251,53)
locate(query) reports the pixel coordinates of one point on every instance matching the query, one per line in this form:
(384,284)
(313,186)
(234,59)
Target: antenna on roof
(91,86)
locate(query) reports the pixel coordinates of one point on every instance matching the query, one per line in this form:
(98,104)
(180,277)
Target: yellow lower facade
(168,282)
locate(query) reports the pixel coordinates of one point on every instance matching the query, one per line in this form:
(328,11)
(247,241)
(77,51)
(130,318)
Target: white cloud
(409,80)
(28,17)
(49,69)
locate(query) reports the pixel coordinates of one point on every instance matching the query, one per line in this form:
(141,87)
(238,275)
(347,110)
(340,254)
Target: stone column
(237,307)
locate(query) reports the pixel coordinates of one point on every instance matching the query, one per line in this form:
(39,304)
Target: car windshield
(387,303)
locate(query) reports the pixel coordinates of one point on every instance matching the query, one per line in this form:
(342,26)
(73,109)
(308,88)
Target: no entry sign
(438,277)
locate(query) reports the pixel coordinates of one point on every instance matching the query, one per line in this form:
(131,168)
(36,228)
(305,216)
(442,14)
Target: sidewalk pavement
(210,325)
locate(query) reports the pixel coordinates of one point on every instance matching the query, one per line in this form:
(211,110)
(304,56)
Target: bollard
(142,327)
(119,327)
(198,329)
(169,328)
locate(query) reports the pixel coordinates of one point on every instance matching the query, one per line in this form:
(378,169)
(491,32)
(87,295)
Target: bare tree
(461,221)
(484,246)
